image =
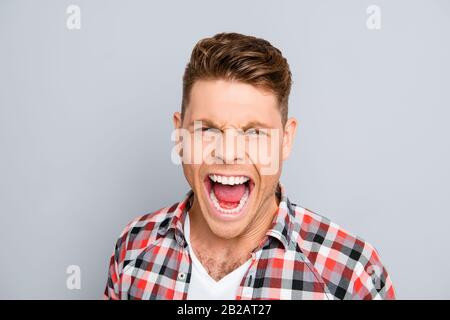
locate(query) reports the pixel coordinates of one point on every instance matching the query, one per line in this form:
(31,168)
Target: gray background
(85,124)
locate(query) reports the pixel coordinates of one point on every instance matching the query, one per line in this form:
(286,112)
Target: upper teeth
(231,180)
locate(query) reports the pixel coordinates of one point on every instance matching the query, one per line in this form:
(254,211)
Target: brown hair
(233,56)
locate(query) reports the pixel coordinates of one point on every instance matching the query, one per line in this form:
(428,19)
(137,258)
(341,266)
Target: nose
(231,149)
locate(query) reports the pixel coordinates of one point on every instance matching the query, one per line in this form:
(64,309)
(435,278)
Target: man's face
(239,146)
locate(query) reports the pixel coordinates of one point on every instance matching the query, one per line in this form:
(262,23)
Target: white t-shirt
(202,286)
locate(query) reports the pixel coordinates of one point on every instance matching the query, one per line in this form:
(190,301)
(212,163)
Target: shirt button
(181,276)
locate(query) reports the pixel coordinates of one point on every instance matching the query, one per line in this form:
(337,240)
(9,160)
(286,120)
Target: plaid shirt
(303,256)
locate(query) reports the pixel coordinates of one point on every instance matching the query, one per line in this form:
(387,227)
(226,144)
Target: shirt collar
(283,222)
(281,229)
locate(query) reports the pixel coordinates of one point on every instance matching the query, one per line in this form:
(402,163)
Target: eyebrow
(206,122)
(255,124)
(249,125)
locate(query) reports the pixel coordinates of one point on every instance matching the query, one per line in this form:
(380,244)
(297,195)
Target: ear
(177,120)
(290,128)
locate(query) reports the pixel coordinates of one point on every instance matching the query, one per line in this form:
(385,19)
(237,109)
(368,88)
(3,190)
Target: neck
(240,247)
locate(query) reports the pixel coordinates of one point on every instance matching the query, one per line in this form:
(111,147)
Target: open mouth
(228,195)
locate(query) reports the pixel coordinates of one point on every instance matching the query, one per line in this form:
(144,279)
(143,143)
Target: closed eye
(203,129)
(207,130)
(255,132)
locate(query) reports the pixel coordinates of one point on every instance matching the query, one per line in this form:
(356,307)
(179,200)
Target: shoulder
(319,234)
(141,233)
(349,266)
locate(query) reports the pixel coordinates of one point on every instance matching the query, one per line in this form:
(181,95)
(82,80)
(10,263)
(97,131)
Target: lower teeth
(229,211)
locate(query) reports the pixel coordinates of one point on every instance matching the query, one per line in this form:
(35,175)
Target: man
(236,235)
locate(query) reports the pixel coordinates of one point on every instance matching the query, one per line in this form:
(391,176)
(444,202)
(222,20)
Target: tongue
(227,193)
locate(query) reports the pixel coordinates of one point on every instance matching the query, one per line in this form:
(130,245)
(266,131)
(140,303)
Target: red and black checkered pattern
(303,256)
